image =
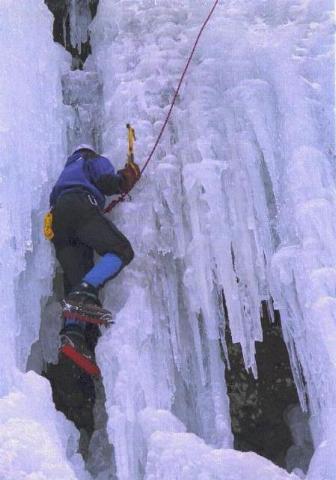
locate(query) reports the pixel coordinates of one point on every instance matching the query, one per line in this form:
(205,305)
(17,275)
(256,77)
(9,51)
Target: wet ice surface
(241,188)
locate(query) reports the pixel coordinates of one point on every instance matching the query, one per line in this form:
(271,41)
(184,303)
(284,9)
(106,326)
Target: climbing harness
(47,227)
(123,195)
(92,200)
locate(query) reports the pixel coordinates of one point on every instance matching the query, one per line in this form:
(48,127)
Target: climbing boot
(83,304)
(74,347)
(84,294)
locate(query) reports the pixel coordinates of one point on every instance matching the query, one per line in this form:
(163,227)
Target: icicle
(80,19)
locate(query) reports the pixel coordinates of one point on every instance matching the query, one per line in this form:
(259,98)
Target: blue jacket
(88,172)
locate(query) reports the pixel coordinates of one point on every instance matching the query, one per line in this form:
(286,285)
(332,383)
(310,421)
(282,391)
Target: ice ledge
(184,456)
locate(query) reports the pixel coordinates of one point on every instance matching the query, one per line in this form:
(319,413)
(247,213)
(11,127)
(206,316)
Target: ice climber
(80,228)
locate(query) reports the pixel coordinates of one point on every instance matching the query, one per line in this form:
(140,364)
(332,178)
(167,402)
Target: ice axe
(131,140)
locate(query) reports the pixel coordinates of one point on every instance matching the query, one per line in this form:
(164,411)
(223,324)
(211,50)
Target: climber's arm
(103,175)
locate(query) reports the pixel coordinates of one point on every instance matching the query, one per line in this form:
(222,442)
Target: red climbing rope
(122,197)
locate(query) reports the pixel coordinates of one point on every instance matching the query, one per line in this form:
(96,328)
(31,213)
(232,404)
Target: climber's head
(83,146)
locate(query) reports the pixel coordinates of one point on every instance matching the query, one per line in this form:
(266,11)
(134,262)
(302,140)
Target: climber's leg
(80,228)
(76,260)
(115,250)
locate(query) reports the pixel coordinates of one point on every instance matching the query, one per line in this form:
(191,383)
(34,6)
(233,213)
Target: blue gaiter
(107,267)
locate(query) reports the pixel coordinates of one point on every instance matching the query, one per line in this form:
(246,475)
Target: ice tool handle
(131,140)
(130,154)
(130,161)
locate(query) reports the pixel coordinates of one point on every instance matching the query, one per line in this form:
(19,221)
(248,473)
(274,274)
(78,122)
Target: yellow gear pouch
(47,228)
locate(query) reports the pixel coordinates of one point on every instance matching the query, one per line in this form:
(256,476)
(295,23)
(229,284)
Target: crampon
(80,360)
(87,313)
(75,348)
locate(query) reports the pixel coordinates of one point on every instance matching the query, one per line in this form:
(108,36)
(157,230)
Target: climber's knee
(126,254)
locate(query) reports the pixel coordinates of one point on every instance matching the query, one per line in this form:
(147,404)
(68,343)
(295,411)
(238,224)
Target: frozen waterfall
(238,204)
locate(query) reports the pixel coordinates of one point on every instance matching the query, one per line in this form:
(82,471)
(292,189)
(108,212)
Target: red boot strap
(83,362)
(84,318)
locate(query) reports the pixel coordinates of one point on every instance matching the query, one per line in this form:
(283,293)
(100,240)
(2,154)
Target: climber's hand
(130,174)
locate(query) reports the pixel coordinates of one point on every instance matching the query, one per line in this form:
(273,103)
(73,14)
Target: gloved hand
(130,174)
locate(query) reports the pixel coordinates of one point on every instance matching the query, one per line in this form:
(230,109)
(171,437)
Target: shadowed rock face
(61,29)
(257,406)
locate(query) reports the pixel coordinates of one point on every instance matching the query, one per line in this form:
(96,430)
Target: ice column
(35,440)
(80,18)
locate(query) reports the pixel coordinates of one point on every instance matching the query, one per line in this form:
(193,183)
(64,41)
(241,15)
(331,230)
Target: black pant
(81,228)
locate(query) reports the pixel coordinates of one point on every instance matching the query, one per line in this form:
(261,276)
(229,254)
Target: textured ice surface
(239,200)
(31,136)
(36,442)
(82,95)
(183,456)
